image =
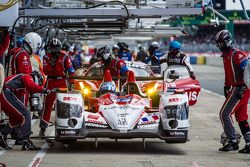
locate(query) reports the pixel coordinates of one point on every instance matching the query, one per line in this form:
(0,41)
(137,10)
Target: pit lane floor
(201,151)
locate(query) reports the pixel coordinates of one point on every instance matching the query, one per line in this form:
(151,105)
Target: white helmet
(155,44)
(34,41)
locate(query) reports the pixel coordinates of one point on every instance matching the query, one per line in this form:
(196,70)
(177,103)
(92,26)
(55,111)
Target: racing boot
(3,143)
(230,146)
(42,132)
(28,145)
(246,149)
(19,142)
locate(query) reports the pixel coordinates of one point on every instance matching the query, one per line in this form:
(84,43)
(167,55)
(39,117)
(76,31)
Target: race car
(149,87)
(125,114)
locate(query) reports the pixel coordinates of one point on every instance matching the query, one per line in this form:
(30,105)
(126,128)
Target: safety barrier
(213,59)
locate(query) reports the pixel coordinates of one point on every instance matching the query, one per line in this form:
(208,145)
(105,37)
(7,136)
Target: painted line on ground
(39,155)
(211,92)
(195,164)
(12,142)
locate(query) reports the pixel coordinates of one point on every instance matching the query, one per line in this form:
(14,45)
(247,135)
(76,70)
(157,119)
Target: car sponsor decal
(91,116)
(155,117)
(122,119)
(95,121)
(68,132)
(90,124)
(124,99)
(174,100)
(149,120)
(192,96)
(69,99)
(147,125)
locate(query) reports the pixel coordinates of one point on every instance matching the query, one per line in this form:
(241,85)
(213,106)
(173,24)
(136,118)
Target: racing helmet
(123,46)
(115,47)
(19,42)
(66,46)
(55,46)
(223,40)
(37,77)
(32,43)
(174,45)
(107,87)
(155,44)
(104,53)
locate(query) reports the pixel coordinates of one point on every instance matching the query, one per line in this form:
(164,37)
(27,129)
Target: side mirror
(173,74)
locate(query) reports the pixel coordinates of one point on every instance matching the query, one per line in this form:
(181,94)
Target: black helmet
(37,77)
(66,46)
(55,46)
(223,40)
(123,46)
(103,52)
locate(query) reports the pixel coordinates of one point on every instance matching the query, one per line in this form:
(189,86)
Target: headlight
(81,85)
(66,110)
(179,112)
(86,91)
(152,90)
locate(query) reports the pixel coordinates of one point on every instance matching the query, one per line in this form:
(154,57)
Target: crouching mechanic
(175,57)
(56,65)
(116,66)
(236,92)
(19,116)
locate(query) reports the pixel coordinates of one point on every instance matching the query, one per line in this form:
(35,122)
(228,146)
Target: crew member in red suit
(4,40)
(20,61)
(235,91)
(4,43)
(19,116)
(114,65)
(56,65)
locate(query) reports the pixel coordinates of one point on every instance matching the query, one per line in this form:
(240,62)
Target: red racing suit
(116,65)
(14,108)
(237,99)
(56,73)
(4,45)
(20,63)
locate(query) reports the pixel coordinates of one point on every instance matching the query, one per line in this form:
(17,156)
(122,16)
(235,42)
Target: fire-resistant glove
(226,90)
(240,92)
(192,75)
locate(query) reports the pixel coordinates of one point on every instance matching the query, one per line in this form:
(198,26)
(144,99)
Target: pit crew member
(56,65)
(175,57)
(20,61)
(114,65)
(19,116)
(154,56)
(236,92)
(124,52)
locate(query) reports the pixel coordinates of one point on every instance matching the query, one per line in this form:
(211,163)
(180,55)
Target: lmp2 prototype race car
(128,113)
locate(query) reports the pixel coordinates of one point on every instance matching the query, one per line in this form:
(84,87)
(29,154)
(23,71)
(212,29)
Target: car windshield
(182,71)
(139,72)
